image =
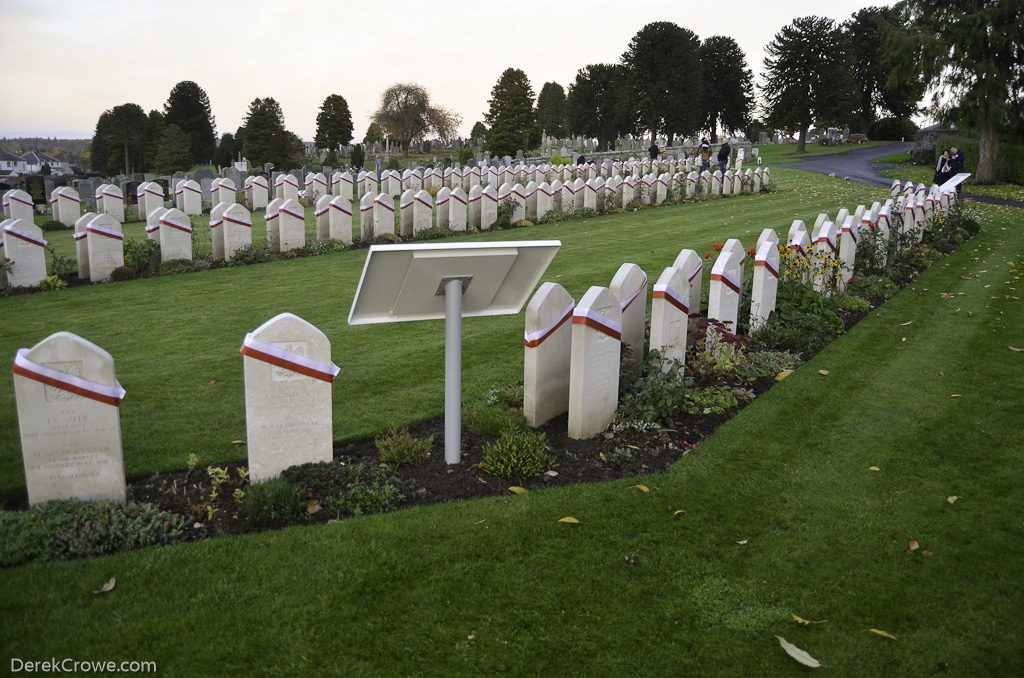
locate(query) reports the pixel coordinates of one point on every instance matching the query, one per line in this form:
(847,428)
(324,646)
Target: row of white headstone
(574,366)
(68,400)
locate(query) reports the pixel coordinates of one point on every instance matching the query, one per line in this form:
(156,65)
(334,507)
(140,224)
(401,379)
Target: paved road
(857,166)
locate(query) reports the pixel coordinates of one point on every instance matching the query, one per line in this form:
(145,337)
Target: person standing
(723,155)
(940,168)
(705,154)
(653,150)
(957,158)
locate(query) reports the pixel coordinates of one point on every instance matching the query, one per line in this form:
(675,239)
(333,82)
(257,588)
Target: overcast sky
(67,61)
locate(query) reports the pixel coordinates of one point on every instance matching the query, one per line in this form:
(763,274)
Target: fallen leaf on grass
(568,519)
(518,490)
(642,488)
(109,586)
(914,545)
(956,395)
(798,654)
(882,633)
(823,372)
(238,442)
(952,500)
(947,296)
(551,474)
(782,375)
(808,621)
(874,468)
(678,512)
(927,553)
(942,374)
(906,323)
(1015,350)
(743,542)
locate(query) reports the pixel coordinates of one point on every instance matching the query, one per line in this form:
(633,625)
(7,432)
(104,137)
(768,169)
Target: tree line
(817,73)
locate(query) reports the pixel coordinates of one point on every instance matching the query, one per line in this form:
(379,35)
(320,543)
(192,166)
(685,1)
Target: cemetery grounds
(803,508)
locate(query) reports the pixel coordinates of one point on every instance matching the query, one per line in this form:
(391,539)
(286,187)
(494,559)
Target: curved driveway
(857,166)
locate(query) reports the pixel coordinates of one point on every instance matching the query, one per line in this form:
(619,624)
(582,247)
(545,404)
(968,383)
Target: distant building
(34,161)
(11,165)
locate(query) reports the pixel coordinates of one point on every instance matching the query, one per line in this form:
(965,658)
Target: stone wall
(925,142)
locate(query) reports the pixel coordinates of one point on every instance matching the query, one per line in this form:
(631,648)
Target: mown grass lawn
(804,504)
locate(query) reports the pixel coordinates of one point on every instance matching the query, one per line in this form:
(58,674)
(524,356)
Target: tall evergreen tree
(871,62)
(728,85)
(175,153)
(155,127)
(596,105)
(119,136)
(971,53)
(265,137)
(511,120)
(666,80)
(188,107)
(551,109)
(333,126)
(806,77)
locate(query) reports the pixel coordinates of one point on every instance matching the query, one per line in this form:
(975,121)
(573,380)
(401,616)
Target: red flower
(719,246)
(852,278)
(752,251)
(707,254)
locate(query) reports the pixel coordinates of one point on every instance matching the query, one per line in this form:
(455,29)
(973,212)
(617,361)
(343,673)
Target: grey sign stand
(449,280)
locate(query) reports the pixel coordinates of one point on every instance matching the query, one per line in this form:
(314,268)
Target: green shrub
(52,225)
(555,217)
(767,363)
(950,229)
(358,158)
(62,530)
(387,239)
(518,454)
(60,265)
(464,156)
(122,273)
(52,283)
(585,213)
(1009,160)
(636,204)
(318,247)
(176,266)
(251,254)
(142,257)
(274,500)
(433,233)
(353,489)
(845,302)
(873,286)
(397,447)
(892,129)
(804,333)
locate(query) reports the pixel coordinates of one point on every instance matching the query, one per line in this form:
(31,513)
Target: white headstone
(272,217)
(366,208)
(548,350)
(323,217)
(848,250)
(340,219)
(258,194)
(765,283)
(192,198)
(105,243)
(81,246)
(292,223)
(422,211)
(236,224)
(824,255)
(288,375)
(405,215)
(457,210)
(518,195)
(19,205)
(594,370)
(670,310)
(692,266)
(383,215)
(69,205)
(629,285)
(475,195)
(217,230)
(488,207)
(67,398)
(724,293)
(25,250)
(175,236)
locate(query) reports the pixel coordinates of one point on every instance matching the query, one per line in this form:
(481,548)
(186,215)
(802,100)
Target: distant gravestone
(69,206)
(443,209)
(105,243)
(217,230)
(405,213)
(366,207)
(35,188)
(383,215)
(292,225)
(457,210)
(81,246)
(422,211)
(594,364)
(67,398)
(288,376)
(322,215)
(488,207)
(340,219)
(203,173)
(19,205)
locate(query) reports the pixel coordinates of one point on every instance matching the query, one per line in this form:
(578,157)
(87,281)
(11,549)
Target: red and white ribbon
(386,204)
(73,198)
(695,272)
(591,318)
(421,201)
(490,196)
(175,224)
(27,237)
(321,212)
(200,192)
(288,360)
(291,212)
(105,232)
(154,227)
(729,281)
(627,302)
(270,217)
(111,395)
(848,228)
(767,263)
(365,208)
(18,198)
(824,238)
(105,194)
(535,339)
(443,201)
(671,296)
(404,205)
(458,196)
(240,222)
(76,236)
(259,181)
(798,243)
(342,207)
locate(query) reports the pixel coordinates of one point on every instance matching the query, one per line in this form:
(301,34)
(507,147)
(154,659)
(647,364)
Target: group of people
(705,154)
(950,163)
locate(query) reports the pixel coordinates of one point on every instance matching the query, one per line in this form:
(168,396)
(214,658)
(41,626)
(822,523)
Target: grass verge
(804,504)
